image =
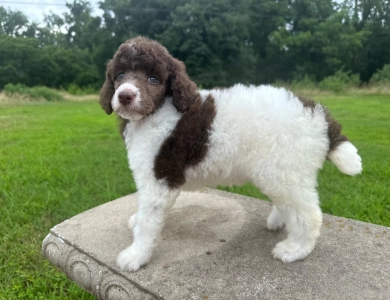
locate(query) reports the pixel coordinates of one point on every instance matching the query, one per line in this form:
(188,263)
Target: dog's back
(261,133)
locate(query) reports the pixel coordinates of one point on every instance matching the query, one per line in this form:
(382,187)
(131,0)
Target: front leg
(148,223)
(133,219)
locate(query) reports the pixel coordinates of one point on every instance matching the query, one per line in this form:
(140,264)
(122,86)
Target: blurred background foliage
(222,41)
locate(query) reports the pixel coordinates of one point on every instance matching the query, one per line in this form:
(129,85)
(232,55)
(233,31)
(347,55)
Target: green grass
(58,159)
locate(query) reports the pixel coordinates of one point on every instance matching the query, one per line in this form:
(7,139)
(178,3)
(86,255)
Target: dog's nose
(126,96)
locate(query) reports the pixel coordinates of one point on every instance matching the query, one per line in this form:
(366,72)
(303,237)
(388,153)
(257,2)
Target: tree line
(221,41)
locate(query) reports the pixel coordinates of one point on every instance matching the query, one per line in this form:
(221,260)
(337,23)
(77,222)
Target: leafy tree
(319,41)
(12,23)
(382,76)
(55,24)
(82,28)
(26,62)
(78,29)
(213,39)
(373,16)
(222,41)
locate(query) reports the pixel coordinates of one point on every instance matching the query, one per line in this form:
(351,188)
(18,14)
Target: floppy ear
(107,90)
(183,90)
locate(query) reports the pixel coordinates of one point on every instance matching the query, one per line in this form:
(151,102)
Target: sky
(36,9)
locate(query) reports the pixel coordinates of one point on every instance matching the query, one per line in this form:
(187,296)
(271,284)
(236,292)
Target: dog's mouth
(127,103)
(129,111)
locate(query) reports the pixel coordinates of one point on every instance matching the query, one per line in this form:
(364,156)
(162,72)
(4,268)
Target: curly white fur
(260,134)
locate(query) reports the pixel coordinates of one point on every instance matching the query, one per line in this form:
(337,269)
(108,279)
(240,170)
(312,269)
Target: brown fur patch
(188,143)
(107,90)
(334,128)
(334,132)
(153,95)
(154,59)
(308,103)
(141,54)
(183,90)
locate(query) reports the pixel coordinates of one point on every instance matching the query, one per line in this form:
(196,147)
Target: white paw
(274,220)
(132,221)
(288,251)
(132,259)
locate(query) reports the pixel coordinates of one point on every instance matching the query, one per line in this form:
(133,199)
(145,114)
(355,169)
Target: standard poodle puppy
(181,138)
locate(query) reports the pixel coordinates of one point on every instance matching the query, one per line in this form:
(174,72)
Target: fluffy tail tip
(346,159)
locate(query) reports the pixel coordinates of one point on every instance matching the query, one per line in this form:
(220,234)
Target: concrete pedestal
(215,245)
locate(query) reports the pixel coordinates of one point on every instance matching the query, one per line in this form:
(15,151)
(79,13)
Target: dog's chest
(143,138)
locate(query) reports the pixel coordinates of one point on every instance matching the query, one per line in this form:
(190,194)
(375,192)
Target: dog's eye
(153,79)
(120,76)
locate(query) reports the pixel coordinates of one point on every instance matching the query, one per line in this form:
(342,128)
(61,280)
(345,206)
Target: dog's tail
(346,158)
(341,151)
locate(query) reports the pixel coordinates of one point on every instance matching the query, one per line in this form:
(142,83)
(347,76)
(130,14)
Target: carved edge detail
(87,272)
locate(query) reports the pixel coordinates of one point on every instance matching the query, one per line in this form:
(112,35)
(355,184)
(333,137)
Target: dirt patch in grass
(18,98)
(70,97)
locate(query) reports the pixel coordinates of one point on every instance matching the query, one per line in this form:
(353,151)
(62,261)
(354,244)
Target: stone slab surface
(215,245)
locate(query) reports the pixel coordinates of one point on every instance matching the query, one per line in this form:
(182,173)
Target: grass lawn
(61,158)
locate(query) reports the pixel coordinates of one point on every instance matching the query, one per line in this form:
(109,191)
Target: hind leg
(300,212)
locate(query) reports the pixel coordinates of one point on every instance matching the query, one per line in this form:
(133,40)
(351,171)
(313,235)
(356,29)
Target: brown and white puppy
(180,138)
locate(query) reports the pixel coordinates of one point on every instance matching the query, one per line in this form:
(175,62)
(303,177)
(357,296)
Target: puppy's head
(139,77)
